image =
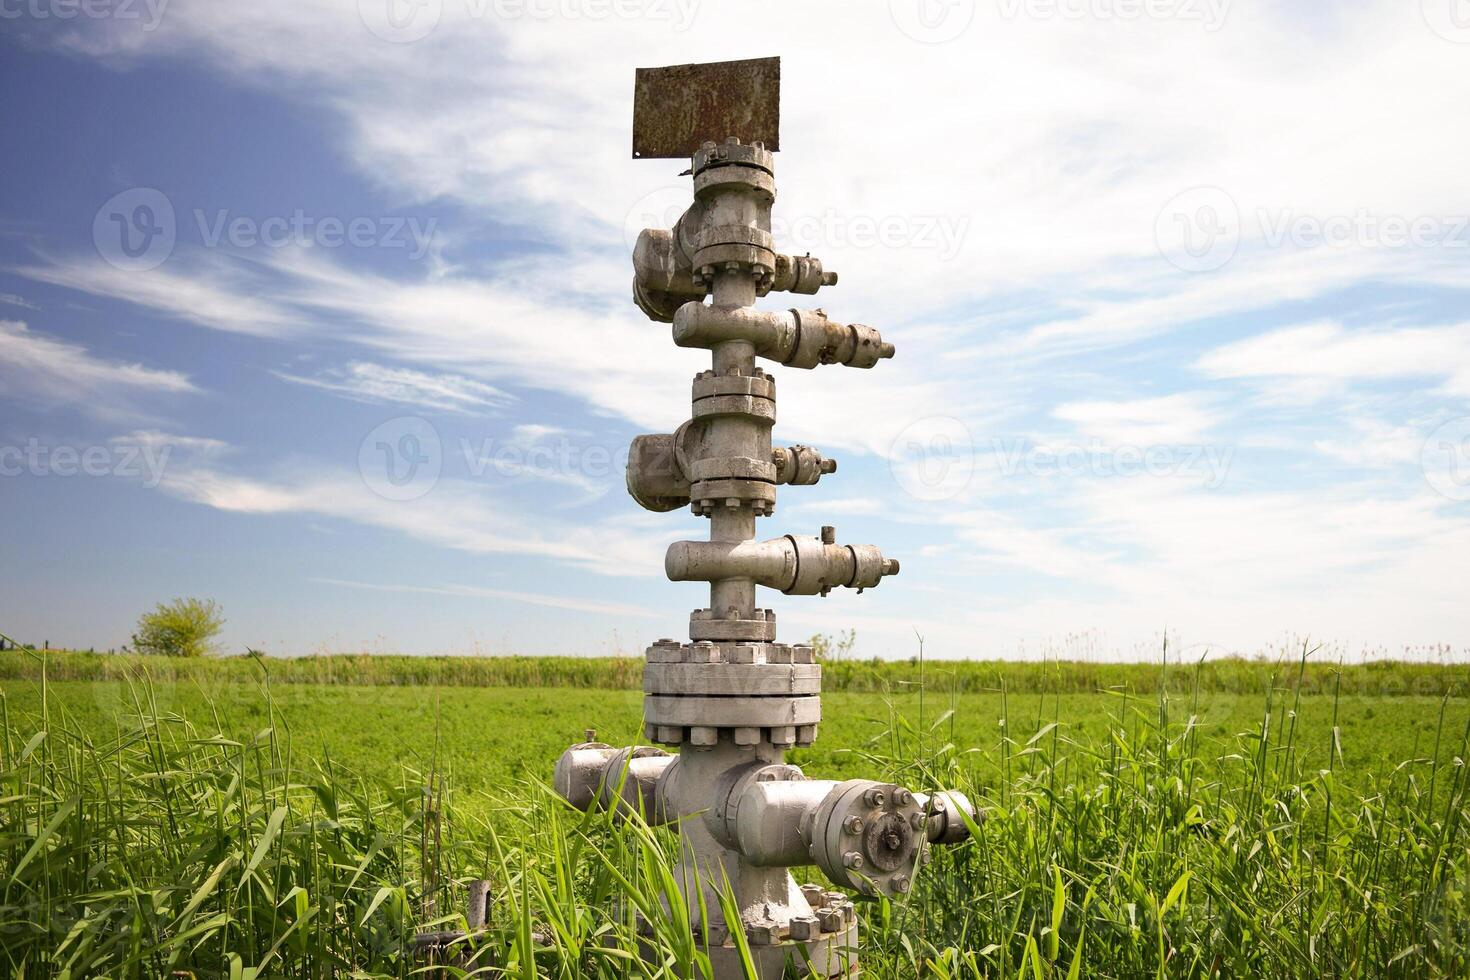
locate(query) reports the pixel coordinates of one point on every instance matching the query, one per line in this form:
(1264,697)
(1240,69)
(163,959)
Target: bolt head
(763,934)
(831,919)
(805,927)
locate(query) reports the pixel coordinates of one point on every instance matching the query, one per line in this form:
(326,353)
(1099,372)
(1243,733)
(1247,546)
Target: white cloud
(458,514)
(1374,444)
(376,383)
(217,294)
(1055,173)
(10,299)
(1170,420)
(36,368)
(1327,356)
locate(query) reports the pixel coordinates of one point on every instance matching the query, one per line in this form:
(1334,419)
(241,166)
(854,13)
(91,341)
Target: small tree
(182,628)
(830,649)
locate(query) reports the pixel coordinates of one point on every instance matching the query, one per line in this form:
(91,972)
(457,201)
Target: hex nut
(805,927)
(875,797)
(901,884)
(831,919)
(763,934)
(903,797)
(852,859)
(853,825)
(813,895)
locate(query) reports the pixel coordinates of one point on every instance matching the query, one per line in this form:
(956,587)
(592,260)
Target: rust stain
(678,107)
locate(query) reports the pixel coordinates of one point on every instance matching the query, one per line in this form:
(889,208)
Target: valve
(796,338)
(663,468)
(794,564)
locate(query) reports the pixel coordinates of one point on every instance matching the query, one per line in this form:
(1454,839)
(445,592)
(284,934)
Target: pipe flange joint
(732,152)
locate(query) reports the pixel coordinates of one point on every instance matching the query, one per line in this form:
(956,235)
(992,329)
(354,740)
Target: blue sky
(323,313)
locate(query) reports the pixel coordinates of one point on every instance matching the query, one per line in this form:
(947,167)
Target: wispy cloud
(1328,356)
(458,514)
(378,384)
(36,369)
(1169,420)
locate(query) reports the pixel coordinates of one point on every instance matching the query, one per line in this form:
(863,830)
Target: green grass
(1202,828)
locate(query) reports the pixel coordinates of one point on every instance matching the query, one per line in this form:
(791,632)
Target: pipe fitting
(943,821)
(794,564)
(796,338)
(594,775)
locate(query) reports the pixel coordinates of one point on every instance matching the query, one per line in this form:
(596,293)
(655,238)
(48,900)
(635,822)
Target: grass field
(1252,820)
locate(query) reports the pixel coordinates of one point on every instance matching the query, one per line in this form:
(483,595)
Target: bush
(182,628)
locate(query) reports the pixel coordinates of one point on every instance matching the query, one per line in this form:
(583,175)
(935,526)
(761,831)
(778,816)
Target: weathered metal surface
(678,107)
(733,700)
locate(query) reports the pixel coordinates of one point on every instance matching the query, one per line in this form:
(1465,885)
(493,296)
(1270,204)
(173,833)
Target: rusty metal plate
(677,108)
